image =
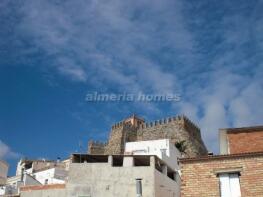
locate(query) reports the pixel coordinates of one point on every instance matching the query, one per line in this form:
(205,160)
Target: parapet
(97,143)
(189,123)
(118,125)
(183,119)
(121,125)
(96,147)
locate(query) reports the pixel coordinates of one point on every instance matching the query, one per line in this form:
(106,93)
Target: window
(229,185)
(117,161)
(163,151)
(141,161)
(139,187)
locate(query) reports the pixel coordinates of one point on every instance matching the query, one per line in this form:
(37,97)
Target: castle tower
(180,130)
(120,132)
(134,120)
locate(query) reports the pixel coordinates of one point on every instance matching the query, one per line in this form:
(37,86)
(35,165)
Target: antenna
(80,150)
(80,146)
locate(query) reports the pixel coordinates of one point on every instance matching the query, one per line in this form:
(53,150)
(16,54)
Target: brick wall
(199,175)
(42,187)
(245,141)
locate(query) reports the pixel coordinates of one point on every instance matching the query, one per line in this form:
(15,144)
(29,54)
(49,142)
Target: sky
(53,53)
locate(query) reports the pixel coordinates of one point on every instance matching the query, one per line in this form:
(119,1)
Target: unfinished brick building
(236,172)
(178,129)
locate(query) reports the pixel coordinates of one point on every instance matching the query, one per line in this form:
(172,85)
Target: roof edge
(243,129)
(218,157)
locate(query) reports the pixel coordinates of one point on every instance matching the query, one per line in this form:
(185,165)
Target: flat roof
(243,129)
(218,157)
(106,156)
(101,158)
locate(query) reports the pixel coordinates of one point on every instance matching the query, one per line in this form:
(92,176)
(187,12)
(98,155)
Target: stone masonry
(177,129)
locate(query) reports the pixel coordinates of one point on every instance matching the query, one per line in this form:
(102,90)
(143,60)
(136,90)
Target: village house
(35,173)
(165,158)
(148,168)
(236,172)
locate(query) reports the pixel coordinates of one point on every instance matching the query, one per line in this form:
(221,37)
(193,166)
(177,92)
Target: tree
(181,146)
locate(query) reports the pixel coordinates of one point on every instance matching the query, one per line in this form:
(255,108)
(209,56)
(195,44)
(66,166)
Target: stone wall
(177,129)
(96,147)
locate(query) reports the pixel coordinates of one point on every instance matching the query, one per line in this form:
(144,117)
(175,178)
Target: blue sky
(52,53)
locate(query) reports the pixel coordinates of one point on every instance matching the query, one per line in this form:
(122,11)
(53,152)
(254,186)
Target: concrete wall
(45,193)
(29,180)
(165,187)
(101,180)
(106,180)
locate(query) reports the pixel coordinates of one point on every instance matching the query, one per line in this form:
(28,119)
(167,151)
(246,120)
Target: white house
(35,172)
(163,149)
(56,175)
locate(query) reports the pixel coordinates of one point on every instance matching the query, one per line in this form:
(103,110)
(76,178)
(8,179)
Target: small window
(139,187)
(141,161)
(229,185)
(117,161)
(164,151)
(46,181)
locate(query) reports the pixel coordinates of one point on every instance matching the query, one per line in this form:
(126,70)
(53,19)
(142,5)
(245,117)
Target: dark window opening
(158,166)
(28,165)
(171,175)
(141,161)
(117,161)
(78,158)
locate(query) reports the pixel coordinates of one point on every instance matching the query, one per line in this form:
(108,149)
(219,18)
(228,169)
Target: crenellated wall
(96,147)
(177,129)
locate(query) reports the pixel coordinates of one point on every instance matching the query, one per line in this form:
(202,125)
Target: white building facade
(33,173)
(163,149)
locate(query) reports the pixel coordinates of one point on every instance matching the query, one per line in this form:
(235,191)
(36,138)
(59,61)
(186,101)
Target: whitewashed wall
(53,175)
(163,149)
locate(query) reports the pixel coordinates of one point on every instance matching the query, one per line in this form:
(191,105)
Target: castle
(180,130)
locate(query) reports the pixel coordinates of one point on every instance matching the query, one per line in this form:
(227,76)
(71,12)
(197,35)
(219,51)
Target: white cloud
(155,46)
(230,100)
(6,152)
(109,40)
